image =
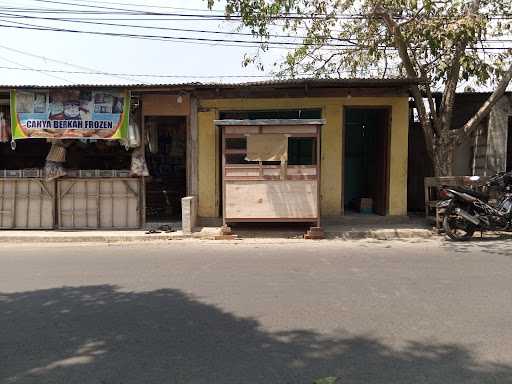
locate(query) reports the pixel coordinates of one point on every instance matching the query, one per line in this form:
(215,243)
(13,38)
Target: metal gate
(27,204)
(99,203)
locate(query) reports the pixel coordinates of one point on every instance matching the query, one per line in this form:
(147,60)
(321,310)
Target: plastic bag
(133,138)
(139,166)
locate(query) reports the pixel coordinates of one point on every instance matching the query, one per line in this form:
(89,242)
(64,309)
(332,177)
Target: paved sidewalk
(386,229)
(380,232)
(98,236)
(415,229)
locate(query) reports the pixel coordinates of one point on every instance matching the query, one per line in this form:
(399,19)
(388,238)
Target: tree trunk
(444,155)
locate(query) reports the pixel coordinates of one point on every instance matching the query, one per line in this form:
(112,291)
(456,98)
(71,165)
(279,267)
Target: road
(272,311)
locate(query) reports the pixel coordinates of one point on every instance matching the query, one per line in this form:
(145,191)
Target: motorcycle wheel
(455,227)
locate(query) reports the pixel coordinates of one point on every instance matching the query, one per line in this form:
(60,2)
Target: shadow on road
(100,334)
(495,244)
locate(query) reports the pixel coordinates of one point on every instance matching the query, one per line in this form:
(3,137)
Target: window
(236,151)
(236,143)
(302,151)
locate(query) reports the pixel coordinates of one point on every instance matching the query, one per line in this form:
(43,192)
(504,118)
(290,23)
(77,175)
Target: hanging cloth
(5,134)
(267,147)
(139,166)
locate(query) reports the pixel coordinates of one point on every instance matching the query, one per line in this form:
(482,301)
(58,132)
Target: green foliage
(341,38)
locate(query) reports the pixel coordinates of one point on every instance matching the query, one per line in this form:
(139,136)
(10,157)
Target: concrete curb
(382,234)
(352,234)
(82,239)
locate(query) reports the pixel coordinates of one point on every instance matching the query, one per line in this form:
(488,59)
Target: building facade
(363,143)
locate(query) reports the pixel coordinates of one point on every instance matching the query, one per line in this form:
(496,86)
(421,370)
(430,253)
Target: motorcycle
(467,211)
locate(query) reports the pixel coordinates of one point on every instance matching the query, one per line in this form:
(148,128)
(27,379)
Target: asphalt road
(262,312)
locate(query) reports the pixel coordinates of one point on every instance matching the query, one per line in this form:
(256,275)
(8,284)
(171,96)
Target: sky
(36,49)
(25,52)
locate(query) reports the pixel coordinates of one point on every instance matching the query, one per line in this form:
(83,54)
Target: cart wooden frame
(270,192)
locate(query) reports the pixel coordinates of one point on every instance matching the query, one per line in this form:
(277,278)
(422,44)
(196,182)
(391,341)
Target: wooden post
(142,195)
(192,150)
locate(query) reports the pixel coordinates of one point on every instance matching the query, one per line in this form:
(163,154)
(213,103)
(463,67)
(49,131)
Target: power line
(71,20)
(98,7)
(222,17)
(230,42)
(293,16)
(135,74)
(92,70)
(183,38)
(74,20)
(64,11)
(153,75)
(27,68)
(152,6)
(140,37)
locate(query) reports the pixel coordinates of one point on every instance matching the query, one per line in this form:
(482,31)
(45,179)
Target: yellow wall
(165,105)
(208,165)
(332,148)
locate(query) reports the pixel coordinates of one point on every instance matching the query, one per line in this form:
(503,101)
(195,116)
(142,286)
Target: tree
(443,43)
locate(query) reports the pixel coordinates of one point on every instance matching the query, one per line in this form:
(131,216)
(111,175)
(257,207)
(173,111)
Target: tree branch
(385,64)
(431,104)
(403,51)
(484,110)
(450,89)
(413,18)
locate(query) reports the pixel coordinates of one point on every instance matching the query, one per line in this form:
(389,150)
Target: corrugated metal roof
(367,82)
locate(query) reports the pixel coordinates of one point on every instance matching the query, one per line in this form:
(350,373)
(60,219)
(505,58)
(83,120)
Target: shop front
(361,166)
(166,127)
(121,157)
(71,158)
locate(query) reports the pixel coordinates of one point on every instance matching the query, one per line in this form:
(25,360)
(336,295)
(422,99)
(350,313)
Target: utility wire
(154,75)
(140,37)
(287,16)
(27,68)
(183,38)
(44,58)
(151,6)
(139,12)
(137,75)
(93,71)
(231,42)
(71,20)
(138,26)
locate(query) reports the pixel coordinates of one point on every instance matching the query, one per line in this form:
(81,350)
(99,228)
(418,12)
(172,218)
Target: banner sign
(70,114)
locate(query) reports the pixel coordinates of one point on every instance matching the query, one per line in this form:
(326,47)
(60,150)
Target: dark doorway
(509,145)
(366,158)
(166,142)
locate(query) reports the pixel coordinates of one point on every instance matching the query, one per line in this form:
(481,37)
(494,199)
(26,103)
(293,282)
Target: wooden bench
(432,188)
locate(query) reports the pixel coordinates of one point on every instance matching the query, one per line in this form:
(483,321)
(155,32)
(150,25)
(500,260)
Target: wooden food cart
(271,170)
